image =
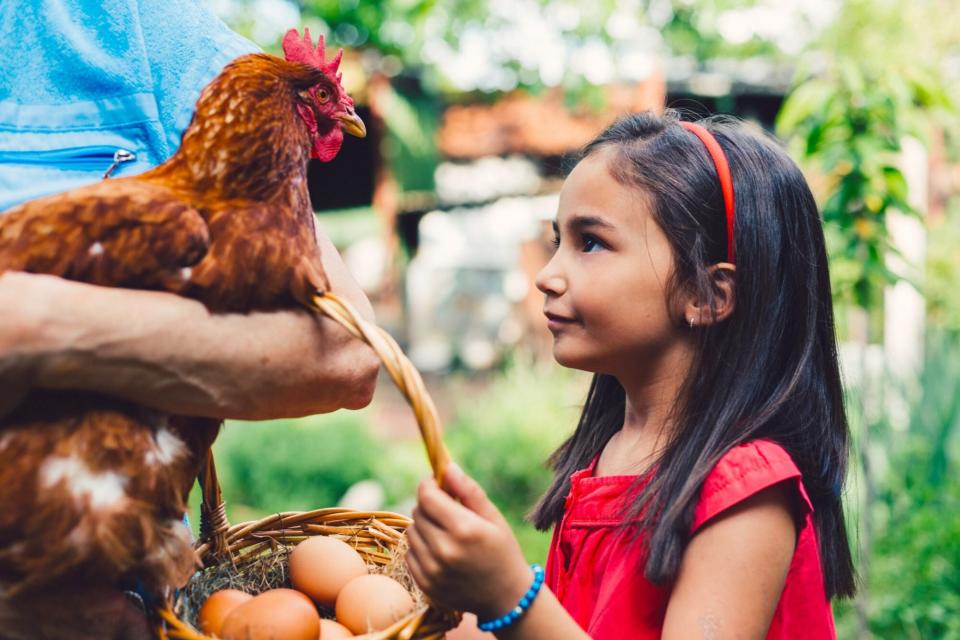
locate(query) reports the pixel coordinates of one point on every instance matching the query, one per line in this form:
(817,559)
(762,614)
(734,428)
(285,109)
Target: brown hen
(93,489)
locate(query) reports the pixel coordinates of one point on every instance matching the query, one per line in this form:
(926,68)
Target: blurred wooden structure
(540,125)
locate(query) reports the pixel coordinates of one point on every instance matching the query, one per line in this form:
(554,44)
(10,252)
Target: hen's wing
(123,233)
(259,260)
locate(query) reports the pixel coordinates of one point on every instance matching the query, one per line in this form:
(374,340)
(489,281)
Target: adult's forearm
(170,353)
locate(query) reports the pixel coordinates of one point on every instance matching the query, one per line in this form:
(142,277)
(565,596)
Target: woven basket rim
(422,619)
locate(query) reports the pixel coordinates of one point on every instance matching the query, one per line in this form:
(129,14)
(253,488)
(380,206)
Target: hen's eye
(322,96)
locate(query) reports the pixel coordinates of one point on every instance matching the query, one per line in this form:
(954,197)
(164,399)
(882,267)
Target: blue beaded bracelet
(509,618)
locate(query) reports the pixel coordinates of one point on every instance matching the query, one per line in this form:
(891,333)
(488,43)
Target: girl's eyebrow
(578,222)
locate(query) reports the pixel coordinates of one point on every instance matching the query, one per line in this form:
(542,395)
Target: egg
(333,630)
(217,607)
(372,603)
(278,614)
(321,566)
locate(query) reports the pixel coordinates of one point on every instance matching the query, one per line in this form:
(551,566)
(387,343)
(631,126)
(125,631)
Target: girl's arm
(733,571)
(464,556)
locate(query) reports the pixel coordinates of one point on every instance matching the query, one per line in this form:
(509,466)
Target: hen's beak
(351,123)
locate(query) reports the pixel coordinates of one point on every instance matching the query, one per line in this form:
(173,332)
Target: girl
(699,496)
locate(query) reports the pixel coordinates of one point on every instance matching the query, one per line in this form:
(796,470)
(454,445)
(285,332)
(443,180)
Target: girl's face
(606,286)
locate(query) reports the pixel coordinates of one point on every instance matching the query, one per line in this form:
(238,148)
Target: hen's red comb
(297,50)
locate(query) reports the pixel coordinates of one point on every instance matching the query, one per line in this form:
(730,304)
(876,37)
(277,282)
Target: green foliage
(503,436)
(283,465)
(692,30)
(411,145)
(942,277)
(847,123)
(401,469)
(915,564)
(368,23)
(914,560)
(403,29)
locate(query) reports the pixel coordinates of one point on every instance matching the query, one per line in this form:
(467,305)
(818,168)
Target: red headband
(723,172)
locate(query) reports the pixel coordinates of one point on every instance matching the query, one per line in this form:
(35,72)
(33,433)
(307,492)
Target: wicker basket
(377,536)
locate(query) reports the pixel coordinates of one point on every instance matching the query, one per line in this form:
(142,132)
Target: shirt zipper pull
(119,157)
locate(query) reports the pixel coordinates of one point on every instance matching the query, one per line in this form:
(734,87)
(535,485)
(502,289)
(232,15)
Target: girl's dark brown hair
(769,370)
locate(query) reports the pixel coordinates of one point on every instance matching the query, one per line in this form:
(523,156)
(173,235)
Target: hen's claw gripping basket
(377,536)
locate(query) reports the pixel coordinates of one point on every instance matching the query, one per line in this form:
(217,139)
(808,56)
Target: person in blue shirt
(81,79)
(91,86)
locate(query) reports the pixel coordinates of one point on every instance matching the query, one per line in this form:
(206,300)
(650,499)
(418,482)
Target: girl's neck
(652,392)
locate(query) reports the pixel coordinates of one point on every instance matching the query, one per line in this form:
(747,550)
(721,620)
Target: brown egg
(371,603)
(278,614)
(333,630)
(217,607)
(301,595)
(321,566)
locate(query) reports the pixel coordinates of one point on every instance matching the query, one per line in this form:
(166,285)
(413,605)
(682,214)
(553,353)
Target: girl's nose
(549,280)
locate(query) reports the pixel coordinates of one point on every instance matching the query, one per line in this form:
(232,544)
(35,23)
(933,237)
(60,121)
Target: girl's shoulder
(744,471)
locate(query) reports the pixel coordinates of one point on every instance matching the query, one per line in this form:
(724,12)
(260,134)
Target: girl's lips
(557,322)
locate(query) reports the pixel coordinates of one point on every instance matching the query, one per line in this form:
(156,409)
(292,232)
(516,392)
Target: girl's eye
(556,241)
(591,244)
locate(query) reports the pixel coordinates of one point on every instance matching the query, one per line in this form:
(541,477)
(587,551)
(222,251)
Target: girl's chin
(578,360)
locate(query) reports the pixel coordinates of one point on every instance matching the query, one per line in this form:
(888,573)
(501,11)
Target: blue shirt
(81,79)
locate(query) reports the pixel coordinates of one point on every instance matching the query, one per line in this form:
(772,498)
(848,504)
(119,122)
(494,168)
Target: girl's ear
(723,282)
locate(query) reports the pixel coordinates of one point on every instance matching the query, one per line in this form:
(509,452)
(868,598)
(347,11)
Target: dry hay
(255,573)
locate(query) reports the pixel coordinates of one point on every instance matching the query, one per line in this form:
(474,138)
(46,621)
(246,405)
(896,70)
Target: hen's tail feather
(98,496)
(130,540)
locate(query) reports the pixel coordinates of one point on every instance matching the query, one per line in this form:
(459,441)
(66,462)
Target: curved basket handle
(213,518)
(213,510)
(401,370)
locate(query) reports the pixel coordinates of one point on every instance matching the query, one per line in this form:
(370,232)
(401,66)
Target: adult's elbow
(363,379)
(346,382)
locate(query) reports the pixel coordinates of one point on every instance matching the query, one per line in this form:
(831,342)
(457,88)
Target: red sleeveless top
(595,571)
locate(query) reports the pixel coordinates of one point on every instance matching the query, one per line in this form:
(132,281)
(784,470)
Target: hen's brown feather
(106,500)
(123,233)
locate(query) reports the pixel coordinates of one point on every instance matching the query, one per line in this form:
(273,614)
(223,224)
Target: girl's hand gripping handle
(463,554)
